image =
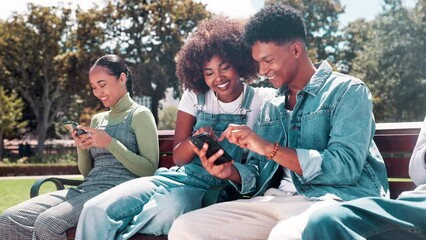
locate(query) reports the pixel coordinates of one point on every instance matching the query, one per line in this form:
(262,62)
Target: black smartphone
(71,126)
(200,139)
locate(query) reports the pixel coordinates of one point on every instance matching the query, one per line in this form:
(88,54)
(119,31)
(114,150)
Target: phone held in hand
(71,126)
(200,139)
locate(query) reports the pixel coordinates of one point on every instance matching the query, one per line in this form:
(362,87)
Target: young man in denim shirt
(311,147)
(379,218)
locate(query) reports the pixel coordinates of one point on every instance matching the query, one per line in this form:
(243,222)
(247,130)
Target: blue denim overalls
(150,204)
(196,175)
(107,171)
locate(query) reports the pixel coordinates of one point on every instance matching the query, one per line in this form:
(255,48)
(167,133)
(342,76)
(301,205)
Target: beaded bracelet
(272,154)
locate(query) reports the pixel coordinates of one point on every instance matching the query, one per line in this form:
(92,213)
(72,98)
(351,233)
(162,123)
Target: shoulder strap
(129,116)
(248,97)
(201,100)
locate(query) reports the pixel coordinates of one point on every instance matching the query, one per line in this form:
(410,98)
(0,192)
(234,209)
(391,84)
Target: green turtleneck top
(143,124)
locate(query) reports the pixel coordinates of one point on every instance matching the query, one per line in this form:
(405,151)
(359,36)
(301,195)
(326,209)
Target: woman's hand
(79,140)
(222,171)
(93,138)
(245,137)
(206,129)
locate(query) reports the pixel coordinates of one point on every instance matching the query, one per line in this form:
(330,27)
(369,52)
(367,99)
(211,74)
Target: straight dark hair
(115,66)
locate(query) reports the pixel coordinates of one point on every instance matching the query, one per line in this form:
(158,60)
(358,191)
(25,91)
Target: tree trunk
(1,145)
(154,108)
(42,126)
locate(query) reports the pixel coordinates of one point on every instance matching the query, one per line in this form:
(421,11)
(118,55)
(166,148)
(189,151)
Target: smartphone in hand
(200,139)
(71,126)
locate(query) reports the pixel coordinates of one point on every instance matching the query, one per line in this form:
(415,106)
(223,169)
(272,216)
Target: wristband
(272,154)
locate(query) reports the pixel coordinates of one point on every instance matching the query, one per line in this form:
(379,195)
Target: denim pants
(273,217)
(47,216)
(371,218)
(136,203)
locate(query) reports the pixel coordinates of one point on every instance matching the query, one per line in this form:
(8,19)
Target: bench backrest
(395,141)
(165,142)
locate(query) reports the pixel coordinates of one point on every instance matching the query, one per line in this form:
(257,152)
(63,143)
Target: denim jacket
(332,129)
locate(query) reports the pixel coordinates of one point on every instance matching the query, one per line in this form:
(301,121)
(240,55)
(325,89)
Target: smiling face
(222,78)
(106,87)
(277,62)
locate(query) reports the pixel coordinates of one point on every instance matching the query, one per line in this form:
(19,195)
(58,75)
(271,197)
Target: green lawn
(14,191)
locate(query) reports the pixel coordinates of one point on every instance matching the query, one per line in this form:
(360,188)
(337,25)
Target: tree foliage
(149,34)
(47,52)
(322,26)
(322,29)
(10,114)
(389,54)
(39,58)
(167,118)
(33,51)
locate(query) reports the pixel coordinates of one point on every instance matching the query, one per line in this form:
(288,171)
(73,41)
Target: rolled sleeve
(310,162)
(248,180)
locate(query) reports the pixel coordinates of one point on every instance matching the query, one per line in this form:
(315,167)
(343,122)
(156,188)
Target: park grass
(14,191)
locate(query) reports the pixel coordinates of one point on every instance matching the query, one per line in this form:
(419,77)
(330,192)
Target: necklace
(237,109)
(288,103)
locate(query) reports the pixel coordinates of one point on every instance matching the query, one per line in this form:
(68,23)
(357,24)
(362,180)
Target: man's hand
(245,137)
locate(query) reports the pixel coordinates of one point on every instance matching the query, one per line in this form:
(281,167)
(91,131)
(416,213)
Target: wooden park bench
(395,141)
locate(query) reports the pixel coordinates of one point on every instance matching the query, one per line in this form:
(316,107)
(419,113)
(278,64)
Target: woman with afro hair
(211,67)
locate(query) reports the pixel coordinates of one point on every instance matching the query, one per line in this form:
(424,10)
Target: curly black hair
(219,36)
(277,23)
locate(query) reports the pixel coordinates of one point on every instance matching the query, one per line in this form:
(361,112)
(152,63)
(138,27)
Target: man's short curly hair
(219,36)
(277,23)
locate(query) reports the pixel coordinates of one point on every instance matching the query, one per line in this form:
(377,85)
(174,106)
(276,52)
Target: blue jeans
(370,218)
(148,205)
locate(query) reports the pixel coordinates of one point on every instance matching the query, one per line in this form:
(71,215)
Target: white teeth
(103,98)
(272,77)
(222,85)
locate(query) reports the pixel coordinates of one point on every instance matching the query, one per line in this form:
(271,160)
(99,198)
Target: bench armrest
(59,183)
(219,193)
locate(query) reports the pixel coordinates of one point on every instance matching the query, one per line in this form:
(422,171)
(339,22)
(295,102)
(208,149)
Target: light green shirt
(143,124)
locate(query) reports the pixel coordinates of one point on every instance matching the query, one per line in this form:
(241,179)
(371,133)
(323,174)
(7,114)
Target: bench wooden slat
(166,161)
(165,140)
(165,145)
(397,167)
(399,187)
(395,143)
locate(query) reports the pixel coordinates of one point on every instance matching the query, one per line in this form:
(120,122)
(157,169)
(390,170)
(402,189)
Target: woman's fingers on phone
(223,170)
(80,144)
(210,131)
(83,137)
(84,129)
(201,152)
(205,129)
(202,155)
(74,134)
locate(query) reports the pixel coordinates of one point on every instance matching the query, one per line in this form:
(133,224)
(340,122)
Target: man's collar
(317,80)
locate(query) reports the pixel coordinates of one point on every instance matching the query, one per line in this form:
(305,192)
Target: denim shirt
(331,129)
